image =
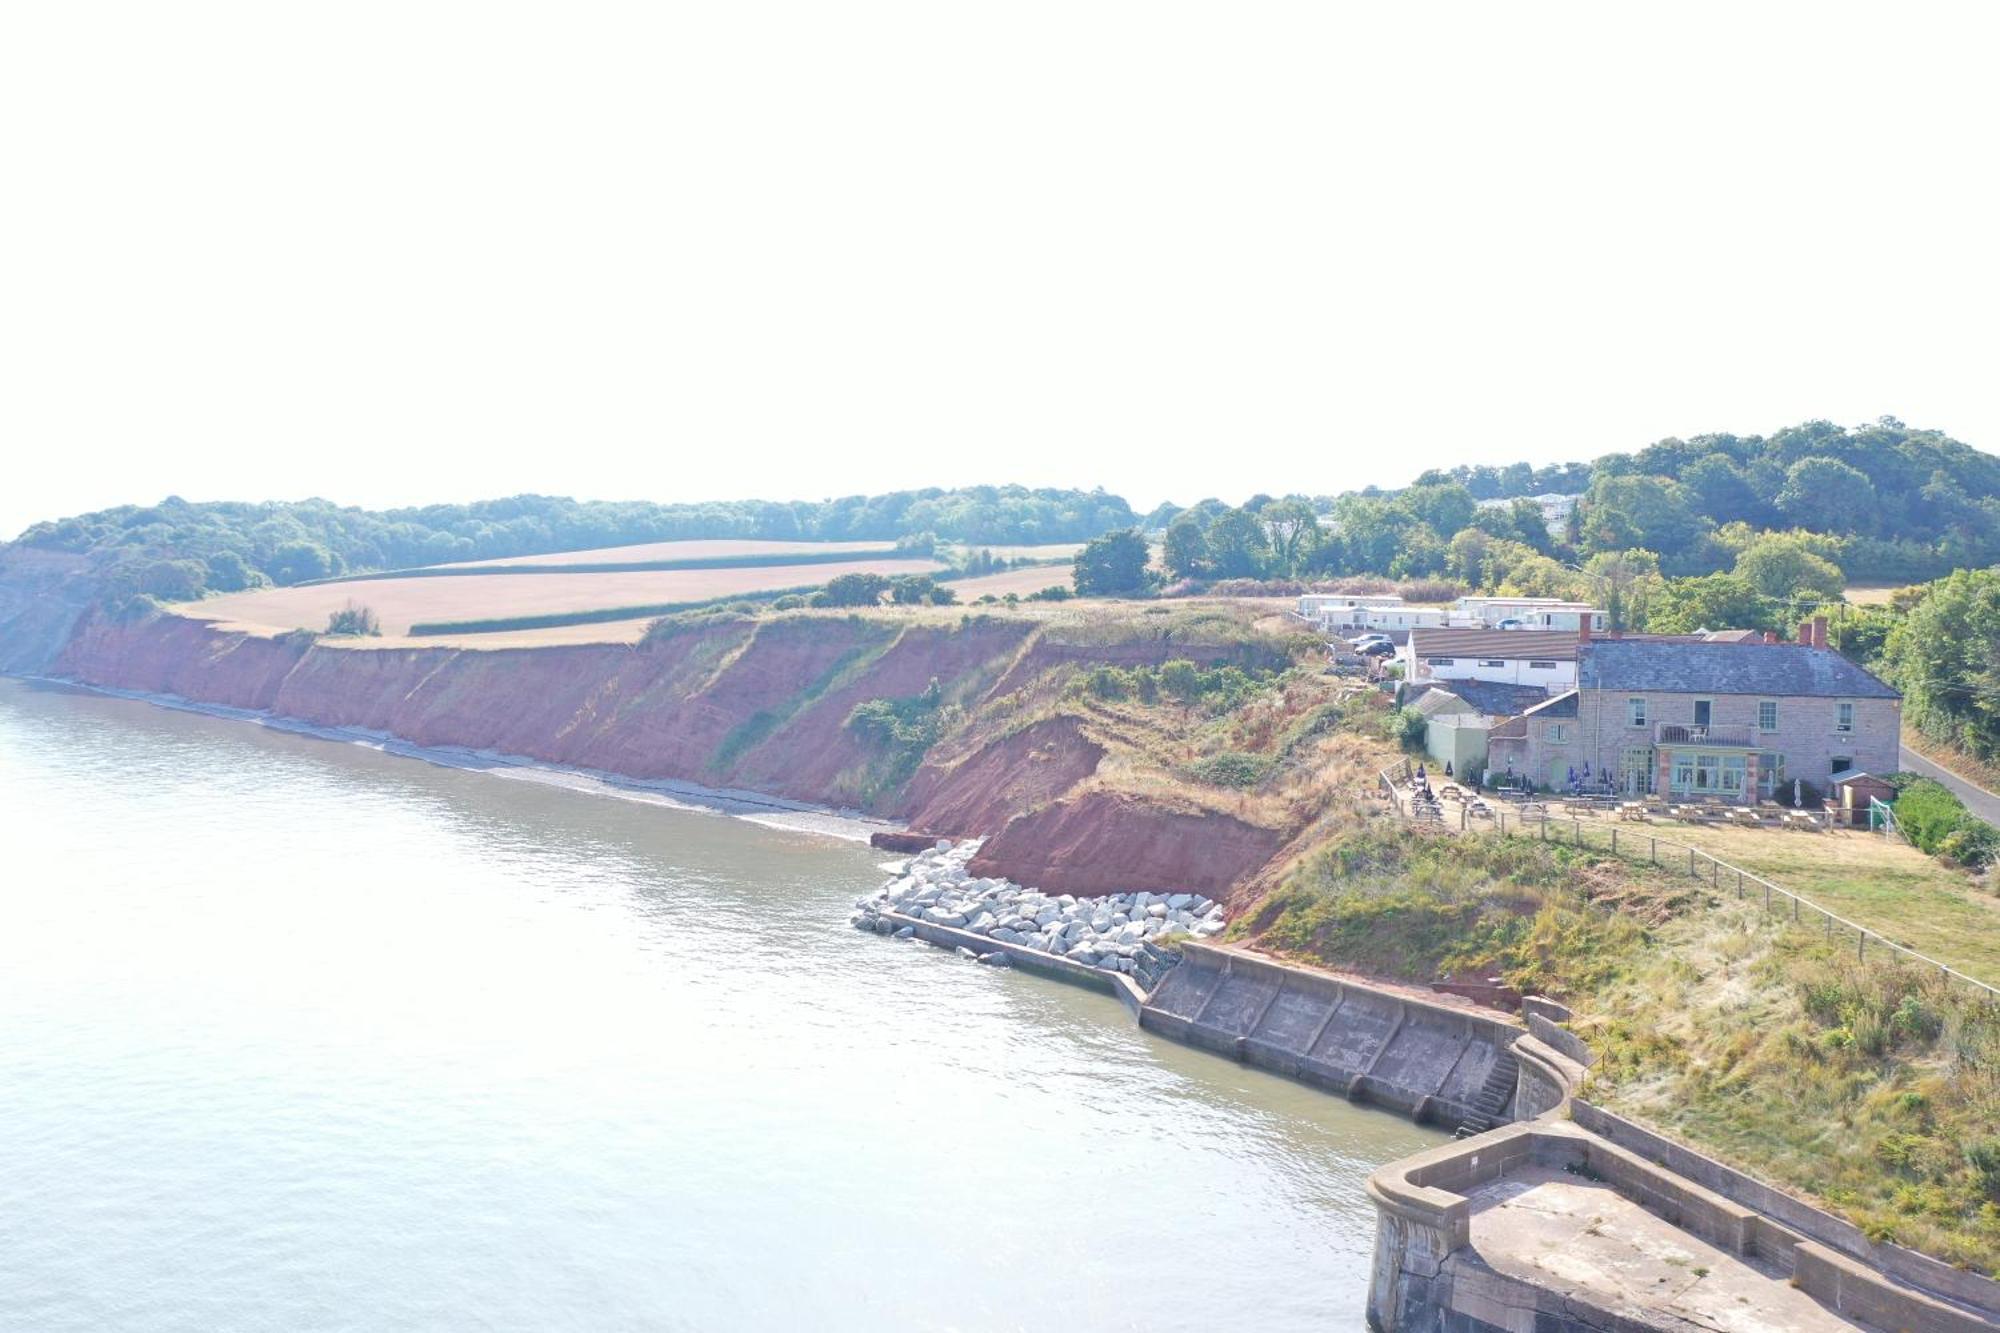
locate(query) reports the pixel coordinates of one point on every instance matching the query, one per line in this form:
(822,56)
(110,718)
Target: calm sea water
(297,1035)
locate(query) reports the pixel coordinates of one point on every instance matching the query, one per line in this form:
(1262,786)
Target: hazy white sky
(394,253)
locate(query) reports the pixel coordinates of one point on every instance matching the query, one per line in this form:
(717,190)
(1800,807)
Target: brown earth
(1105,842)
(978,794)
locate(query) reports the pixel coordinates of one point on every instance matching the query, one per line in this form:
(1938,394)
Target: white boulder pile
(1119,932)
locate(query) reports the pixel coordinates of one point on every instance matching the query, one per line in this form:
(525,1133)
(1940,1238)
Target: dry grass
(1877,881)
(403,602)
(1020,582)
(1871,594)
(683,550)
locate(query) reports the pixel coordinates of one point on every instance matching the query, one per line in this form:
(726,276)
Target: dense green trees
(1782,566)
(1113,565)
(1945,655)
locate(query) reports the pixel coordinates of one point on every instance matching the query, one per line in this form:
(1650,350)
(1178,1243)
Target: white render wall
(1555,678)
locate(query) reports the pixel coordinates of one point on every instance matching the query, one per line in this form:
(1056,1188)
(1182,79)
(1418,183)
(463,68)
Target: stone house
(1731,721)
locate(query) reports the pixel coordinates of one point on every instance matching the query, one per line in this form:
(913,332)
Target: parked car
(1360,640)
(1379,648)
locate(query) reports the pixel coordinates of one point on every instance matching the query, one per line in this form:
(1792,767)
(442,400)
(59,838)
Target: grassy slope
(1868,1087)
(1886,885)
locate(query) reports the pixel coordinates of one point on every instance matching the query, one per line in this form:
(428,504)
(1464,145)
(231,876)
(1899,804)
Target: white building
(1331,611)
(1542,658)
(1525,613)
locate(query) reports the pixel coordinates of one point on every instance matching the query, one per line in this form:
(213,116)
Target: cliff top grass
(1869,1087)
(1881,882)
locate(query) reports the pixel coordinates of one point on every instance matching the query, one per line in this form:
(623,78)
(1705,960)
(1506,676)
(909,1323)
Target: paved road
(1977,799)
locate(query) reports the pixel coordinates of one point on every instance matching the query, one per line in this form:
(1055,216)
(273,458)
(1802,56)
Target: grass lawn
(1879,882)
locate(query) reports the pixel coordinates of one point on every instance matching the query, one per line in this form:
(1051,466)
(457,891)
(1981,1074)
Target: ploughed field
(1020,582)
(402,602)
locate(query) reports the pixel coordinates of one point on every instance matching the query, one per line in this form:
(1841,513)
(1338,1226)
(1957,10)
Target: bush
(791,601)
(904,728)
(852,590)
(1107,682)
(920,590)
(353,618)
(1053,593)
(1936,821)
(1406,727)
(1231,768)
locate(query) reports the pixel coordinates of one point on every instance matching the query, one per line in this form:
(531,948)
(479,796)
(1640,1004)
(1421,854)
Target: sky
(414,252)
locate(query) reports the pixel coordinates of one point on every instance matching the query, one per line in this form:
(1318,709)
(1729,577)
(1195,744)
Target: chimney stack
(1819,631)
(1583,627)
(1769,637)
(1805,633)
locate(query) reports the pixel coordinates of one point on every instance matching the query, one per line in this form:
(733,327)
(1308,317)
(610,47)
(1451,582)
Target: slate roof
(1498,700)
(1772,669)
(1505,644)
(1563,705)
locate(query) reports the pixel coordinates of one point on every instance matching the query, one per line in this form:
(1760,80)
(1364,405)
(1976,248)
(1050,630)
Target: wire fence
(1534,821)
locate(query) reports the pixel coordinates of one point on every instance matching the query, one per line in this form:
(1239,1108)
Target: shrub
(791,601)
(1054,593)
(1984,1159)
(353,618)
(1107,682)
(852,590)
(1406,727)
(1231,768)
(1936,821)
(905,728)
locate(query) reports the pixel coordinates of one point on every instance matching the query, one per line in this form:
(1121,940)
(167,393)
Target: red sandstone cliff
(761,706)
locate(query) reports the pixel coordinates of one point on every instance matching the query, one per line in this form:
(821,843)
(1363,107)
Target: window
(1541,666)
(1843,718)
(1493,662)
(1734,769)
(1770,773)
(1635,712)
(1440,661)
(1702,709)
(1558,733)
(1707,771)
(1841,763)
(1767,715)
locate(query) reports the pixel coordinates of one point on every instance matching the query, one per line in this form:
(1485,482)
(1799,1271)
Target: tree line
(178,549)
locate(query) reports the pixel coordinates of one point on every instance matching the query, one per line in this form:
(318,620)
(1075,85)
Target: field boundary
(603,615)
(1699,866)
(758,560)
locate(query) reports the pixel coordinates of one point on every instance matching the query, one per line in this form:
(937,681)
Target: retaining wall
(1821,1237)
(1426,1060)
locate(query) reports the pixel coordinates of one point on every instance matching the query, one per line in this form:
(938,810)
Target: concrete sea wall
(1428,1278)
(1429,1061)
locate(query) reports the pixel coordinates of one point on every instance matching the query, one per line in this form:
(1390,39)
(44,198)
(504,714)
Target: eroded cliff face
(42,596)
(760,706)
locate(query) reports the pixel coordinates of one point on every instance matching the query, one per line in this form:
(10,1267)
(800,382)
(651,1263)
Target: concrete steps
(1491,1102)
